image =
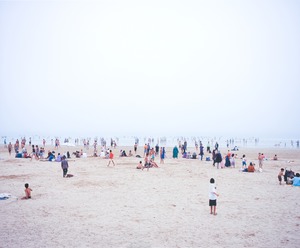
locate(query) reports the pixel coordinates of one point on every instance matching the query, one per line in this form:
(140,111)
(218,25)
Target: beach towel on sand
(4,196)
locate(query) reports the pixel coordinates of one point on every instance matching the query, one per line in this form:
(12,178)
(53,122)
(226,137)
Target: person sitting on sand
(27,192)
(123,154)
(25,153)
(235,149)
(275,157)
(153,164)
(77,154)
(58,158)
(296,180)
(288,176)
(140,165)
(194,155)
(130,153)
(250,168)
(50,156)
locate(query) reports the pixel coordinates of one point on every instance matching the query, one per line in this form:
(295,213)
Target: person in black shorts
(213,197)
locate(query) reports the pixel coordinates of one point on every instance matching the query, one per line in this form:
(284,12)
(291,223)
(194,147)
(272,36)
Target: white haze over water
(249,142)
(150,68)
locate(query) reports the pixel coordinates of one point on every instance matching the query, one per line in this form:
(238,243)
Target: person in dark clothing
(64,166)
(218,159)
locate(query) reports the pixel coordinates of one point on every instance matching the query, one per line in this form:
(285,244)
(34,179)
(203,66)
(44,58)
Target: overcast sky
(150,67)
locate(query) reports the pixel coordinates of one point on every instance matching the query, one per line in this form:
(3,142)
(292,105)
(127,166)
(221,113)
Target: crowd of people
(150,154)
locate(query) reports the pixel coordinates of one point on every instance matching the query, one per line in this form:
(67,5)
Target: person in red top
(111,158)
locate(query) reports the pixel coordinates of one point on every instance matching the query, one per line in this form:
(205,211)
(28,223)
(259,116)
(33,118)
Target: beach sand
(164,207)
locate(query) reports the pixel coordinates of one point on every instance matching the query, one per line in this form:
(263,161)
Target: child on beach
(280,175)
(111,158)
(244,164)
(27,192)
(212,197)
(140,165)
(232,160)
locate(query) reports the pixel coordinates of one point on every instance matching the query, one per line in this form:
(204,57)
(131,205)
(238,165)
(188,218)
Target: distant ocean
(164,141)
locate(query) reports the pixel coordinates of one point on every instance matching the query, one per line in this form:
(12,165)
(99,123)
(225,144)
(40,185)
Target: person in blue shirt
(296,180)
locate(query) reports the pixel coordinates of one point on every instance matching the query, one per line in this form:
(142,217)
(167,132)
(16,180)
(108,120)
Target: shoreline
(167,141)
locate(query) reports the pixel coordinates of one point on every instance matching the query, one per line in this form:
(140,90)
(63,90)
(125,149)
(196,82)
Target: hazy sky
(150,67)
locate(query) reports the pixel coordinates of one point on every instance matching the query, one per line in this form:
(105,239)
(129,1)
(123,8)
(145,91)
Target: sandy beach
(164,207)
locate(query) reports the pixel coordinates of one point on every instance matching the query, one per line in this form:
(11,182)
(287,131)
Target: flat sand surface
(121,206)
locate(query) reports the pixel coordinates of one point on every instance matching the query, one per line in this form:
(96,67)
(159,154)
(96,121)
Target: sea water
(170,141)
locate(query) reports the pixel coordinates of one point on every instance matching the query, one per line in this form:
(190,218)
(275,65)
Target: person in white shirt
(212,197)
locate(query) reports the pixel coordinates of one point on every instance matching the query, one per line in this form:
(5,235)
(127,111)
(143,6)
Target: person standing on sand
(162,155)
(218,159)
(201,151)
(216,146)
(156,149)
(261,157)
(135,148)
(9,148)
(280,175)
(175,152)
(208,147)
(64,166)
(212,197)
(111,158)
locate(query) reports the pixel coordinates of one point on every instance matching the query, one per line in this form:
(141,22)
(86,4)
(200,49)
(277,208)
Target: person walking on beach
(213,197)
(64,166)
(111,158)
